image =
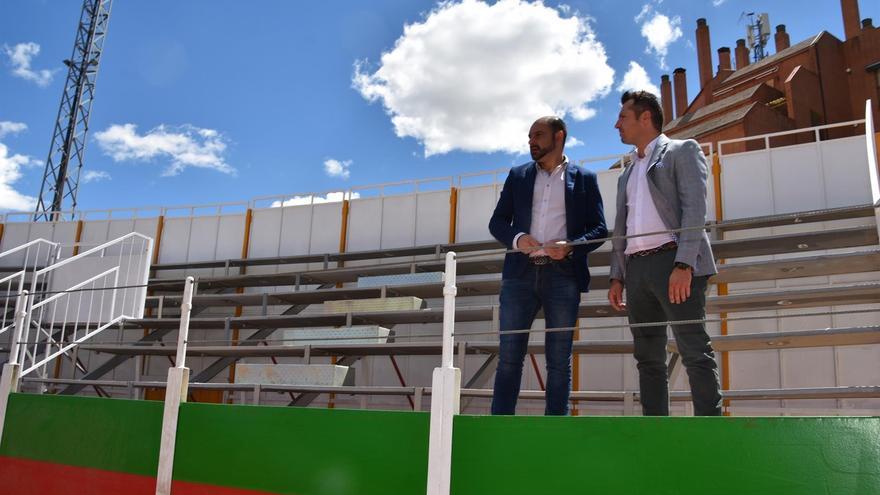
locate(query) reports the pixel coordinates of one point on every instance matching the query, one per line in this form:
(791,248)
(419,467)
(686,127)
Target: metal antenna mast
(757,34)
(61,178)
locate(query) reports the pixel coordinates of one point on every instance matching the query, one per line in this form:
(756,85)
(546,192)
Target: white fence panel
(607,180)
(847,181)
(432,226)
(475,207)
(398,225)
(746,187)
(797,179)
(364,226)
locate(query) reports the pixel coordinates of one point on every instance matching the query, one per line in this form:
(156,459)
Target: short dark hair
(556,124)
(644,101)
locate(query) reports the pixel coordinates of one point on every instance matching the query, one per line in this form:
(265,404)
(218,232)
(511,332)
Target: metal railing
(77,298)
(33,255)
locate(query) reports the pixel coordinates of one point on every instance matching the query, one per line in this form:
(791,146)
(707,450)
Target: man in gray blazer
(665,274)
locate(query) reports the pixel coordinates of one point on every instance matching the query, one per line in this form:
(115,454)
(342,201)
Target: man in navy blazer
(545,206)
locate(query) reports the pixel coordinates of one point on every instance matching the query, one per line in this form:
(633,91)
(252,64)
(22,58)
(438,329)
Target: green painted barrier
(108,434)
(678,455)
(302,451)
(282,450)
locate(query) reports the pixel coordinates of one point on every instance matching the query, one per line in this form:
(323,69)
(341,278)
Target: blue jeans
(554,288)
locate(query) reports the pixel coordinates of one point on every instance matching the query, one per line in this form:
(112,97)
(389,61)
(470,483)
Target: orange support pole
(343,242)
(722,288)
(576,368)
(245,249)
(453,213)
(76,239)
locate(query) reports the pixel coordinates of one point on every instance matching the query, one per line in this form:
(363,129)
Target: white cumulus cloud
(337,168)
(636,78)
(10,172)
(660,31)
(473,76)
(20,57)
(95,176)
(184,146)
(331,197)
(7,127)
(572,141)
(718,3)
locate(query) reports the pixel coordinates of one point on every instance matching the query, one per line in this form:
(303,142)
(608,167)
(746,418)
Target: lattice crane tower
(61,178)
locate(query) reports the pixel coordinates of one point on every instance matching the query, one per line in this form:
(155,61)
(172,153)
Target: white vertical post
(12,369)
(873,170)
(445,395)
(175,393)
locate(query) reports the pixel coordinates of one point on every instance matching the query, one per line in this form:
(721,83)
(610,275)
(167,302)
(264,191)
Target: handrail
(766,137)
(15,282)
(27,245)
(56,324)
(347,193)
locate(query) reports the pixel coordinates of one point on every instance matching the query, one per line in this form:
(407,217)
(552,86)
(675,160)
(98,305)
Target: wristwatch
(683,266)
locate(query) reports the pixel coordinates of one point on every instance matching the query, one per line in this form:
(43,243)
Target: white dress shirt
(642,216)
(548,206)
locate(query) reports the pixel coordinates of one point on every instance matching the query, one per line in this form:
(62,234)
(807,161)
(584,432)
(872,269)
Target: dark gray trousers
(647,299)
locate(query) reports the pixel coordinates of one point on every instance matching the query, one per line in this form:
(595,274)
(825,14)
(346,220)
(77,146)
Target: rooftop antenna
(757,34)
(61,177)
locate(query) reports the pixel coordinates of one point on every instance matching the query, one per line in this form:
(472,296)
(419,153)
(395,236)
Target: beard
(539,153)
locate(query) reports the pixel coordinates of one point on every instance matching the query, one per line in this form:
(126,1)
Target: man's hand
(615,295)
(680,285)
(526,244)
(557,250)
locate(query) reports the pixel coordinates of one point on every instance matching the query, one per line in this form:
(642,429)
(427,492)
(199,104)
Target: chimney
(704,52)
(742,54)
(666,98)
(681,91)
(723,58)
(782,39)
(867,23)
(850,10)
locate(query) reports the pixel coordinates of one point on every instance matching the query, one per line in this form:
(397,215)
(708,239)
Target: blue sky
(213,101)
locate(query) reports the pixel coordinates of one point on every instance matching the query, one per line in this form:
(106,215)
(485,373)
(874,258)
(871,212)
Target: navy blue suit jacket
(584,217)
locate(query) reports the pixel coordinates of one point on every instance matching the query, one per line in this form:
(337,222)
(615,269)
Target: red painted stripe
(27,477)
(185,488)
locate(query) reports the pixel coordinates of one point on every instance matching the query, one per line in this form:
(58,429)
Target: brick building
(820,80)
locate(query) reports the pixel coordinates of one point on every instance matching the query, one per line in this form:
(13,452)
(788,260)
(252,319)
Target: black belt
(647,252)
(546,260)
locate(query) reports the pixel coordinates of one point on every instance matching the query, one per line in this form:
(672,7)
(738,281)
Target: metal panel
(797,179)
(14,235)
(402,279)
(746,187)
(356,335)
(229,239)
(364,225)
(175,243)
(296,228)
(399,221)
(265,233)
(475,207)
(846,171)
(294,374)
(327,224)
(370,305)
(432,213)
(607,180)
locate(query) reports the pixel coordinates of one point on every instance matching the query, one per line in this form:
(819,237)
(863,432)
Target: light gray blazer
(677,176)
